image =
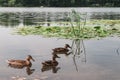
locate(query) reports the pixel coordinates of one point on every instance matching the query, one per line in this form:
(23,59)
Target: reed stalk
(78,23)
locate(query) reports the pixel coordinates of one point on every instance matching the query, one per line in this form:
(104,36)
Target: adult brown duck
(62,49)
(21,63)
(52,62)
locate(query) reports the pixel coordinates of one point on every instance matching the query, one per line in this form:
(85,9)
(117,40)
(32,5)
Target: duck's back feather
(60,50)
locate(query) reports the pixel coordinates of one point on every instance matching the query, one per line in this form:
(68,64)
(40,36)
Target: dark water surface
(102,60)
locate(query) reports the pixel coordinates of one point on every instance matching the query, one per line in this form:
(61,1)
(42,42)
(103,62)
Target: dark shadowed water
(102,58)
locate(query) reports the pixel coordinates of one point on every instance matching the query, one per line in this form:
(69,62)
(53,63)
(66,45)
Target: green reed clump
(78,23)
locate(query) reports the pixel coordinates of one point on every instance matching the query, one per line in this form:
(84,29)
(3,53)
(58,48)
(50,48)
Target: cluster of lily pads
(67,32)
(79,28)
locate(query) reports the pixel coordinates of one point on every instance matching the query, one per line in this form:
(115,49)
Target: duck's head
(29,57)
(67,46)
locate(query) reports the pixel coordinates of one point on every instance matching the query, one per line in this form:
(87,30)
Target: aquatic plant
(88,32)
(78,23)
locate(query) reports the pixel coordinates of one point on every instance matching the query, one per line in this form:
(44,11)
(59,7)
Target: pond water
(101,61)
(12,17)
(102,58)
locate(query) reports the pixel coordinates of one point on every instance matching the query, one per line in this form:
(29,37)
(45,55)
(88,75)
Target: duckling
(62,49)
(52,62)
(21,63)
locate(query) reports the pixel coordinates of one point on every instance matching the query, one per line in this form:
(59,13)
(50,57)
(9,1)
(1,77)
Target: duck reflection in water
(51,64)
(20,64)
(47,68)
(62,50)
(29,71)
